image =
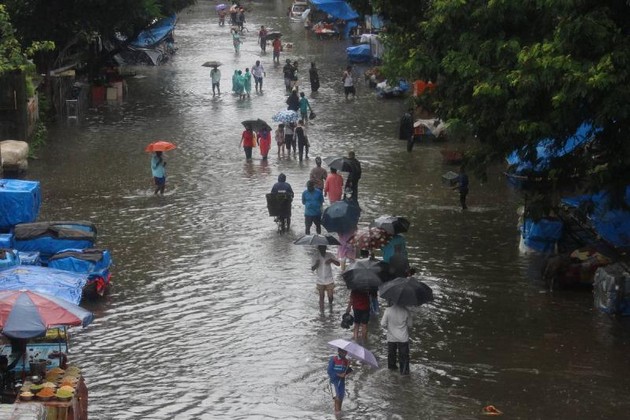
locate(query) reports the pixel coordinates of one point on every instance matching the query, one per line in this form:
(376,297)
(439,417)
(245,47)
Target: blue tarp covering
(48,238)
(336,8)
(19,202)
(154,34)
(62,284)
(541,235)
(89,261)
(612,225)
(546,152)
(361,53)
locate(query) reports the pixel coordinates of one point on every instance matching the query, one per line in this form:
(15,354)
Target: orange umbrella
(160,146)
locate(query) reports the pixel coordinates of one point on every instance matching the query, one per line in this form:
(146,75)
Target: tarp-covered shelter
(612,225)
(338,9)
(156,42)
(59,283)
(546,151)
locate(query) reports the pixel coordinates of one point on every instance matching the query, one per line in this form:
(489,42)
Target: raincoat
(247,82)
(239,84)
(234,80)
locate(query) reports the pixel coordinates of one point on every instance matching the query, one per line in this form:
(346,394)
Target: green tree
(72,24)
(518,71)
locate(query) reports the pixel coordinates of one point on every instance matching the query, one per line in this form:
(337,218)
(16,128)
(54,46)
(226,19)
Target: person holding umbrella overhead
(215,77)
(338,370)
(396,321)
(248,141)
(322,264)
(158,170)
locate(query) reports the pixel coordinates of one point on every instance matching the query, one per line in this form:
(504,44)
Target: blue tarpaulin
(546,151)
(155,33)
(339,10)
(611,225)
(336,8)
(88,261)
(62,284)
(361,53)
(541,235)
(19,202)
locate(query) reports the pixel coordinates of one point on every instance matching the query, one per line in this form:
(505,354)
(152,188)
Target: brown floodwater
(214,314)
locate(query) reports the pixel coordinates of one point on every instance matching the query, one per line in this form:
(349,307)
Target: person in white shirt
(321,262)
(258,71)
(215,76)
(397,320)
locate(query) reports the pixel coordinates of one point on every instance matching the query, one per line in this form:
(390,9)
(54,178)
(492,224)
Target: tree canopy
(518,71)
(65,21)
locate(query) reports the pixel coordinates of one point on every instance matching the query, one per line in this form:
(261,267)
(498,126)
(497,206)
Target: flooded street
(214,314)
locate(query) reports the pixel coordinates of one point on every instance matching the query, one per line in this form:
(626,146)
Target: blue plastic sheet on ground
(541,235)
(62,284)
(546,151)
(19,202)
(611,225)
(155,34)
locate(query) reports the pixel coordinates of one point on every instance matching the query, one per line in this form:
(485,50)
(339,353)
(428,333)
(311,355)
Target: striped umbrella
(26,314)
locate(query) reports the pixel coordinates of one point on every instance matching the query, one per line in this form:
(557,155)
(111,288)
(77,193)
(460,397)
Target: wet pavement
(215,315)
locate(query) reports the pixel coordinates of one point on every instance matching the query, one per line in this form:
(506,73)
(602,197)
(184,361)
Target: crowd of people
(322,185)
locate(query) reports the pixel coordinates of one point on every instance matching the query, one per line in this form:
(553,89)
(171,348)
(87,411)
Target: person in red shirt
(333,186)
(359,302)
(277,47)
(248,141)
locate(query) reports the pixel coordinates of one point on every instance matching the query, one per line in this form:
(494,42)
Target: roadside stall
(34,375)
(332,18)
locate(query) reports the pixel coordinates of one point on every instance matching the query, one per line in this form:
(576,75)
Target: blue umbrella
(286,116)
(355,351)
(341,217)
(220,6)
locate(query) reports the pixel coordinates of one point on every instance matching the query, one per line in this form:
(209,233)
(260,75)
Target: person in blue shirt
(338,370)
(158,170)
(462,186)
(312,198)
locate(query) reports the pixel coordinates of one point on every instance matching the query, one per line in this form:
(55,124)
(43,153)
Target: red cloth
(248,139)
(277,45)
(333,187)
(265,143)
(360,300)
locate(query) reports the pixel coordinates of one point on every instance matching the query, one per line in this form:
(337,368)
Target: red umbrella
(160,146)
(371,238)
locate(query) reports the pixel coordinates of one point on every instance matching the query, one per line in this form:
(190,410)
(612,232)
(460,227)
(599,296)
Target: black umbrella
(212,64)
(273,35)
(341,216)
(406,291)
(317,240)
(366,274)
(342,164)
(256,125)
(392,224)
